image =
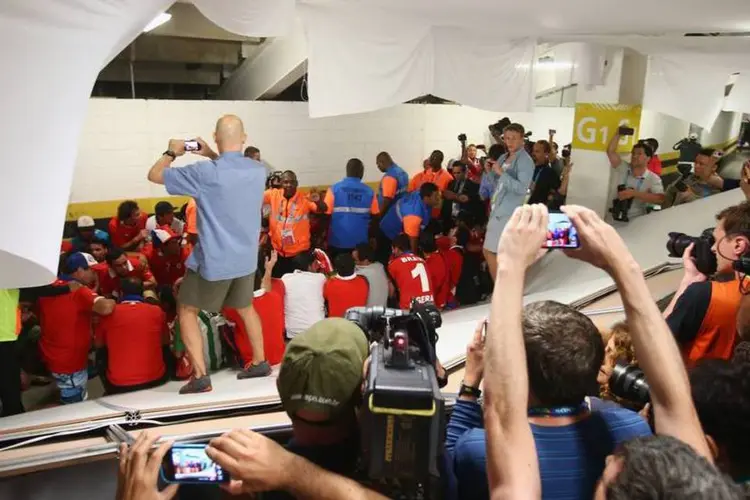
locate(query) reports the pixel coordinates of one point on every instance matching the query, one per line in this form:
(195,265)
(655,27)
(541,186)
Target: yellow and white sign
(595,124)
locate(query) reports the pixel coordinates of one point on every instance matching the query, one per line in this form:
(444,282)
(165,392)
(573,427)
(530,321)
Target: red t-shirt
(109,281)
(167,269)
(65,322)
(270,308)
(122,233)
(455,259)
(342,293)
(437,268)
(654,165)
(133,334)
(444,243)
(66,246)
(409,274)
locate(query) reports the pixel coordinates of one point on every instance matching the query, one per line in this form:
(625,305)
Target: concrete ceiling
(188,57)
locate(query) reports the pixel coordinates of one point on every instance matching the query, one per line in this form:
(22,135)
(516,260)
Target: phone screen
(192,146)
(561,233)
(188,463)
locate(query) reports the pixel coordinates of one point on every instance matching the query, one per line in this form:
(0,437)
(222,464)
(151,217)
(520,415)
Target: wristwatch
(467,390)
(169,153)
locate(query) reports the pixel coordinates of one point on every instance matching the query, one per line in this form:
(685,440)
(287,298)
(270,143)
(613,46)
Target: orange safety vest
(717,335)
(289,221)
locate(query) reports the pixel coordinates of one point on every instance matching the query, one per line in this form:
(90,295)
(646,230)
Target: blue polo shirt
(229,196)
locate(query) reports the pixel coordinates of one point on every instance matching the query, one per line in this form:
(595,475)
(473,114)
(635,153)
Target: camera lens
(629,382)
(677,243)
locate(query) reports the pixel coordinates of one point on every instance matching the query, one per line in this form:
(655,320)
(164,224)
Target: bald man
(228,188)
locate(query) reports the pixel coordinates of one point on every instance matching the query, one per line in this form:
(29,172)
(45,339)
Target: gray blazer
(511,187)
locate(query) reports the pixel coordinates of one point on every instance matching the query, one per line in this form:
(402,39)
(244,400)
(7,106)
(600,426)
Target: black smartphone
(189,464)
(625,131)
(561,233)
(192,145)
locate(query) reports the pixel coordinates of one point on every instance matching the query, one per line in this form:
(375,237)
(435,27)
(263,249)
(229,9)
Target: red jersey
(122,233)
(444,243)
(342,293)
(66,246)
(455,259)
(409,274)
(437,268)
(109,281)
(134,334)
(270,308)
(474,170)
(167,269)
(65,322)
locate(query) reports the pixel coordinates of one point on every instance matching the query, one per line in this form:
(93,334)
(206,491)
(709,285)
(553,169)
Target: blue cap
(79,260)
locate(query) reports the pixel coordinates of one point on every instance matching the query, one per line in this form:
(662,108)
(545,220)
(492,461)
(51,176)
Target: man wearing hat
(164,216)
(320,383)
(86,233)
(166,256)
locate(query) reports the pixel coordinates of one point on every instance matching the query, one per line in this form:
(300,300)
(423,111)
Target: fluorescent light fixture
(157,21)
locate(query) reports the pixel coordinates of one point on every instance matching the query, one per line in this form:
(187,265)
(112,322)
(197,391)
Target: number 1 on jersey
(420,271)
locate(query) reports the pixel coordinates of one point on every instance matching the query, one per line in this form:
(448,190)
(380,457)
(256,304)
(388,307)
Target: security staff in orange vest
(289,221)
(703,312)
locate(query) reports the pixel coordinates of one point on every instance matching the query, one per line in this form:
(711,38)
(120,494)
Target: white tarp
(261,18)
(739,98)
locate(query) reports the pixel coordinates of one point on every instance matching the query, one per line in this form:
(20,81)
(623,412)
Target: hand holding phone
(561,233)
(192,146)
(189,464)
(552,132)
(627,131)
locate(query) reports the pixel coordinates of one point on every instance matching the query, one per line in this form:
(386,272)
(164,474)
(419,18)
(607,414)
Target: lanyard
(537,174)
(639,184)
(558,411)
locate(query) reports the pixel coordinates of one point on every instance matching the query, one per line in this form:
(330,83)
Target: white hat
(85,222)
(163,234)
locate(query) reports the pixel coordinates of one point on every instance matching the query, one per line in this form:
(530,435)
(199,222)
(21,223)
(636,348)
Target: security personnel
(289,221)
(394,183)
(350,203)
(410,216)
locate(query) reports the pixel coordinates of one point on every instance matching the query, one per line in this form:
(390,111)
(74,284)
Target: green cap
(322,367)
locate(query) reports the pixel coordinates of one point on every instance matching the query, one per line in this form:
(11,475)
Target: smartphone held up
(192,145)
(561,233)
(189,464)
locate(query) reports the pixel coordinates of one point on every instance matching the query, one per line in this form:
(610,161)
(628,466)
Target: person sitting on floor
(128,228)
(437,268)
(374,273)
(166,257)
(345,289)
(119,266)
(87,233)
(410,280)
(133,342)
(304,304)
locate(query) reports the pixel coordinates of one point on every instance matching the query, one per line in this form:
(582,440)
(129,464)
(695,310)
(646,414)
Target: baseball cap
(163,207)
(85,222)
(163,234)
(80,260)
(322,368)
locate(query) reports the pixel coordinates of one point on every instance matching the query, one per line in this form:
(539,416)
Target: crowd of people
(156,298)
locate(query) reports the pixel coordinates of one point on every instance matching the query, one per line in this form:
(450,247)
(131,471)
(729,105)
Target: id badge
(287,237)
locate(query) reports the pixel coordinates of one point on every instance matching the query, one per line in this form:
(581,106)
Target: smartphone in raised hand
(561,233)
(189,464)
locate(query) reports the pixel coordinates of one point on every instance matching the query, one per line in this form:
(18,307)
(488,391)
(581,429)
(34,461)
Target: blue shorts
(72,386)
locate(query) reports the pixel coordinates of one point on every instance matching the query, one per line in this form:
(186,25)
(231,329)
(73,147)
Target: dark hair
(289,172)
(564,353)
(435,226)
(652,143)
(427,190)
(303,261)
(515,127)
(402,242)
(344,264)
(439,154)
(250,151)
(365,252)
(665,467)
(736,219)
(427,242)
(131,286)
(721,395)
(126,209)
(383,155)
(114,254)
(462,236)
(496,151)
(545,145)
(707,152)
(645,147)
(459,163)
(163,208)
(355,168)
(98,241)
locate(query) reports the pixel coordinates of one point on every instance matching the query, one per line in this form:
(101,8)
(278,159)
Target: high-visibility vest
(402,183)
(412,204)
(289,222)
(350,214)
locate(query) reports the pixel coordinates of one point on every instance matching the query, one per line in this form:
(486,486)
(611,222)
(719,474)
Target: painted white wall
(727,126)
(666,129)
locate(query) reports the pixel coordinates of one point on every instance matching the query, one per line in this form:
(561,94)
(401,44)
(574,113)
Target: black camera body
(620,208)
(461,137)
(498,127)
(403,418)
(628,382)
(705,259)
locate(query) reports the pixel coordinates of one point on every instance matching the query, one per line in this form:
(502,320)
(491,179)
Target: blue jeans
(72,386)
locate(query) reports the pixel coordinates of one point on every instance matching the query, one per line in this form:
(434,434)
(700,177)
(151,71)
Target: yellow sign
(595,124)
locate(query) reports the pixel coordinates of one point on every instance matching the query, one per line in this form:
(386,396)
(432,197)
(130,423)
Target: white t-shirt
(303,301)
(177,225)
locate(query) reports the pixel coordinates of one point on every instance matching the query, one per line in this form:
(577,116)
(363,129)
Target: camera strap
(558,411)
(640,180)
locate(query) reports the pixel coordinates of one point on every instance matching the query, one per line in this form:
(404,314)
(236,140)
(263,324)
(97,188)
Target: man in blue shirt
(228,189)
(410,216)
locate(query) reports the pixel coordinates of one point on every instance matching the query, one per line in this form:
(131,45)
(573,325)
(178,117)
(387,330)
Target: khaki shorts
(211,296)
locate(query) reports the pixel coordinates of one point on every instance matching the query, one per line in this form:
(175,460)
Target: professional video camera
(628,382)
(498,127)
(566,151)
(620,208)
(705,259)
(404,411)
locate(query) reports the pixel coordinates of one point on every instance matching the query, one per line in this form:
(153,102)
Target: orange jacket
(718,332)
(289,221)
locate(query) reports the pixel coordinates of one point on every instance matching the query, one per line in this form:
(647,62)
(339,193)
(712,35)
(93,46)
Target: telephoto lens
(705,259)
(629,382)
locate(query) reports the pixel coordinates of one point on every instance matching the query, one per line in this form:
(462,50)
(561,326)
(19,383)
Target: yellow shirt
(9,314)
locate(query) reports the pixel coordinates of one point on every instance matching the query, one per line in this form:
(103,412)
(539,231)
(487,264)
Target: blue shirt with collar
(229,196)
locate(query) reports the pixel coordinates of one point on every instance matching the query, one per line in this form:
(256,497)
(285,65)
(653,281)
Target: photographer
(637,187)
(660,467)
(702,313)
(545,182)
(701,183)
